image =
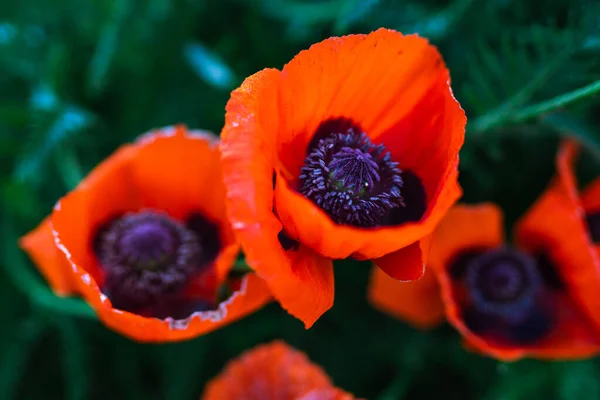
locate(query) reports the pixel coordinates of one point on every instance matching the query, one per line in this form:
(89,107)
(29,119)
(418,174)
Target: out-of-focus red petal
(327,394)
(572,338)
(272,371)
(418,303)
(465,227)
(39,245)
(555,224)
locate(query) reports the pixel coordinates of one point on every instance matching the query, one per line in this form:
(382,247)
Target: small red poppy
(273,371)
(144,239)
(350,151)
(507,302)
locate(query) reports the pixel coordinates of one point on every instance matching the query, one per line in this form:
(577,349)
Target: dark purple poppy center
(147,259)
(353,180)
(503,282)
(148,242)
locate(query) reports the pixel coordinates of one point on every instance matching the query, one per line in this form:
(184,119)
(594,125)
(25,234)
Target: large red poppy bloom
(350,151)
(507,302)
(144,239)
(273,371)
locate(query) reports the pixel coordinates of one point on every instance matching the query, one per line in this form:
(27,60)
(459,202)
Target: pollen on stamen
(353,180)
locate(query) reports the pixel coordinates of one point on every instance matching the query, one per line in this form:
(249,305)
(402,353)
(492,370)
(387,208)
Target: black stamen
(504,283)
(353,180)
(148,258)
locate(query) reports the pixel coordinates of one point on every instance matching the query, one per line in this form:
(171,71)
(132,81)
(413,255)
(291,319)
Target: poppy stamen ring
(353,180)
(146,255)
(504,282)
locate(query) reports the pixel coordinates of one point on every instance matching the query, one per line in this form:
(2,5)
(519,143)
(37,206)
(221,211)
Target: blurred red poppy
(507,302)
(350,151)
(273,371)
(144,239)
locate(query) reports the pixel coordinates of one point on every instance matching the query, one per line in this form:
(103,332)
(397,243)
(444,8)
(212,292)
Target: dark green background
(80,77)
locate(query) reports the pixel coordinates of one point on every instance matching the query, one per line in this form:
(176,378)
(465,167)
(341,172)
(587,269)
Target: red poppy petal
(555,224)
(271,371)
(179,171)
(39,245)
(465,227)
(350,77)
(106,192)
(306,222)
(176,171)
(406,264)
(572,339)
(327,394)
(252,295)
(418,303)
(299,279)
(590,197)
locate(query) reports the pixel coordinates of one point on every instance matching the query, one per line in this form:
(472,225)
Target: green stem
(506,114)
(557,102)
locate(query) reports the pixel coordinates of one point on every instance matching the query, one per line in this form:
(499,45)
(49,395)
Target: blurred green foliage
(79,78)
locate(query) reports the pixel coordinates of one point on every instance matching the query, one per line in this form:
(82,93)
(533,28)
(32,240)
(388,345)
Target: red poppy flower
(507,302)
(273,371)
(350,151)
(583,272)
(144,239)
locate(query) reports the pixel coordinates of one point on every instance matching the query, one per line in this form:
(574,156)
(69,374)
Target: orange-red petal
(300,280)
(465,227)
(418,303)
(307,223)
(556,224)
(327,394)
(480,227)
(406,264)
(352,77)
(179,172)
(252,295)
(271,371)
(39,245)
